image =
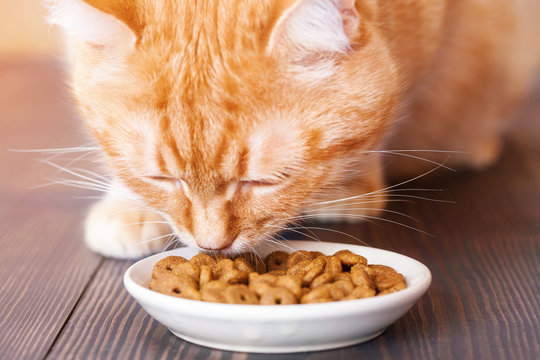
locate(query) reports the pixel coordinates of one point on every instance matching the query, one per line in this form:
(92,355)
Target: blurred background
(24,31)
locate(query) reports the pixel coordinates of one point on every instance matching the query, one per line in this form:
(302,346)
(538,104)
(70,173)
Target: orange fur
(218,117)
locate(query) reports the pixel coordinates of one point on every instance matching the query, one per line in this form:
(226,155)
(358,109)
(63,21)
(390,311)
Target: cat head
(230,117)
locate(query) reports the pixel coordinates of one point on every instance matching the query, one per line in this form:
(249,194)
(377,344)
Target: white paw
(119,229)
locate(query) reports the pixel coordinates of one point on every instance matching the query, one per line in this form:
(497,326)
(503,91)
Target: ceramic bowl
(281,328)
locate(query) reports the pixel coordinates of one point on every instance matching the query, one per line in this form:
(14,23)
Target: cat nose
(220,243)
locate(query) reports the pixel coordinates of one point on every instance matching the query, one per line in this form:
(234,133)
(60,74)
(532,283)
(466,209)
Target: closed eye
(162,179)
(260,185)
(259,182)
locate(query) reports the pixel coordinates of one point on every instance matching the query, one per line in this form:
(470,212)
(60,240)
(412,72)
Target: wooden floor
(60,301)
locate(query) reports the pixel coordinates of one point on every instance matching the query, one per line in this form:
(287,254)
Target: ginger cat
(230,118)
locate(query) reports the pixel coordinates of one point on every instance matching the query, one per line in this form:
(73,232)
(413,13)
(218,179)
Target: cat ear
(316,26)
(99,22)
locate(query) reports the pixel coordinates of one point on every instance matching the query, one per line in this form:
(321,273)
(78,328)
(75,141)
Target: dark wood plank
(108,324)
(43,264)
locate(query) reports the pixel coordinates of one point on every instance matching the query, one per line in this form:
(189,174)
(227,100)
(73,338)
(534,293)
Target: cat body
(229,119)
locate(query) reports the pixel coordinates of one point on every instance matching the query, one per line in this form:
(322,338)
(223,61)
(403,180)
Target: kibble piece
(167,265)
(324,278)
(277,296)
(296,257)
(318,295)
(333,265)
(276,261)
(180,286)
(386,279)
(291,283)
(206,275)
(214,291)
(314,269)
(240,294)
(256,261)
(202,259)
(349,259)
(188,269)
(244,265)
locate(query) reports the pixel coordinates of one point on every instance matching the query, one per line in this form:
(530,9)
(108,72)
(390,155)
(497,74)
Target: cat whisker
(96,197)
(90,181)
(391,193)
(413,157)
(423,150)
(421,198)
(330,230)
(150,240)
(138,206)
(65,150)
(93,173)
(147,222)
(281,244)
(391,198)
(383,201)
(74,173)
(71,183)
(362,217)
(384,189)
(398,198)
(316,212)
(413,189)
(309,217)
(254,250)
(72,161)
(171,241)
(92,187)
(295,230)
(294,223)
(84,184)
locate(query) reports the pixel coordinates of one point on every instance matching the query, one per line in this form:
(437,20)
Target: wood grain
(44,266)
(59,301)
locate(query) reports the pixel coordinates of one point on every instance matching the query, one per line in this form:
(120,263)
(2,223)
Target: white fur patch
(312,26)
(317,26)
(314,31)
(84,22)
(274,151)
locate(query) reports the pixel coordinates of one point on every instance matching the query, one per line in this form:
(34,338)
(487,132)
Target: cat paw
(119,229)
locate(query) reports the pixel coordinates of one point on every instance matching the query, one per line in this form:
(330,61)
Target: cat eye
(162,178)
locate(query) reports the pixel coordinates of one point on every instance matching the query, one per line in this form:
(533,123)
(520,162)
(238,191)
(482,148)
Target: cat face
(230,119)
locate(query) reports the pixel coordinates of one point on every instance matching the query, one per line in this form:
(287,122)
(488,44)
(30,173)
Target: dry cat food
(302,277)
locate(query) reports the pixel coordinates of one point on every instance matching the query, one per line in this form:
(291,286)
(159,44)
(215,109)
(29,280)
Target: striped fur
(232,117)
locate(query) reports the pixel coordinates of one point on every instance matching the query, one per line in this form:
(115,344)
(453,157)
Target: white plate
(281,328)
